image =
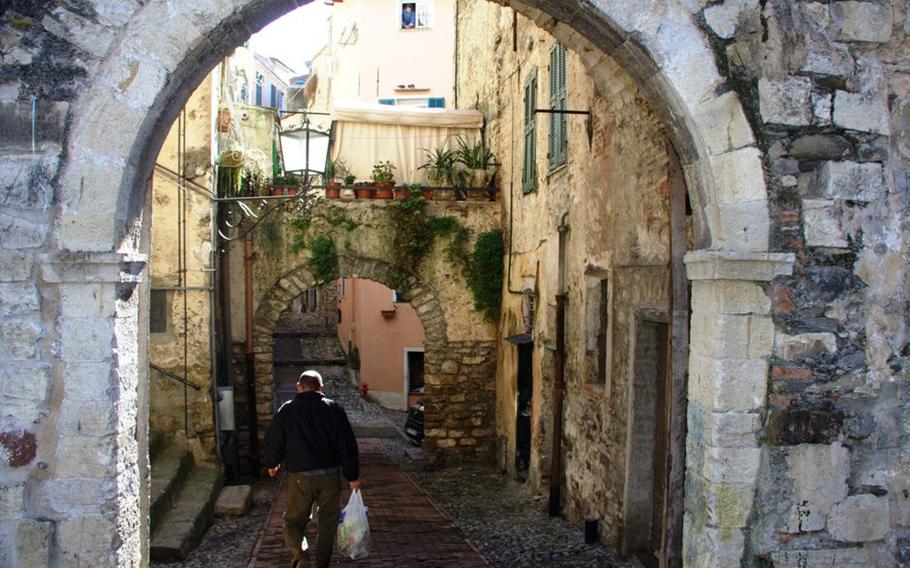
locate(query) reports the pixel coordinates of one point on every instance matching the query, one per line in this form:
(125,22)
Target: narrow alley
(454,517)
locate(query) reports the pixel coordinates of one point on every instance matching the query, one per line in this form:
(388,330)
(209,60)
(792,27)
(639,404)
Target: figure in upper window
(408,15)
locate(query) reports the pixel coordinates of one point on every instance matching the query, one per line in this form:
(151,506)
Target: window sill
(559,170)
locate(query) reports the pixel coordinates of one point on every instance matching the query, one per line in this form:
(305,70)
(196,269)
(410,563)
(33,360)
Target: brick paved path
(406,528)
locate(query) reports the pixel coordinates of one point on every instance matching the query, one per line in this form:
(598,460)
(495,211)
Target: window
(273,96)
(259,80)
(158,312)
(398,297)
(416,102)
(280,101)
(529,160)
(558,134)
(416,15)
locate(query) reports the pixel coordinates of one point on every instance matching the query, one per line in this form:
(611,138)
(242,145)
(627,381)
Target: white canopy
(366,134)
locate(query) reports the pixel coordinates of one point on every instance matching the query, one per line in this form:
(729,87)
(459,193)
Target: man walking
(312,437)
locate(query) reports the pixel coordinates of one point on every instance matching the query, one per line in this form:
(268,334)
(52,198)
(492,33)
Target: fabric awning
(407,116)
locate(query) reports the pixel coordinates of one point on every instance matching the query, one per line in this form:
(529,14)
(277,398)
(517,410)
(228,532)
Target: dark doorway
(415,372)
(646,476)
(523,411)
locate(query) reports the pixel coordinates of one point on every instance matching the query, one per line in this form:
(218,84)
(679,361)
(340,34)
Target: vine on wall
(485,273)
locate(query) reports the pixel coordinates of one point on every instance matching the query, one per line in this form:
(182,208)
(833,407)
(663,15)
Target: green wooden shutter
(529,165)
(563,98)
(553,118)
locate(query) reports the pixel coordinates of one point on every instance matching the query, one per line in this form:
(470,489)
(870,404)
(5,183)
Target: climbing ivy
(413,238)
(323,261)
(485,273)
(456,250)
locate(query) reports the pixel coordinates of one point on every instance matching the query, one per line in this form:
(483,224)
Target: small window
(398,297)
(158,311)
(598,321)
(273,96)
(390,102)
(416,15)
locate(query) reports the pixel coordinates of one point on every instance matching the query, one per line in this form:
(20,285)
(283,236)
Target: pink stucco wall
(381,340)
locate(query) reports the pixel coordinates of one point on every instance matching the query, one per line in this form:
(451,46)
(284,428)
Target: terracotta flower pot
(364,192)
(284,190)
(333,190)
(402,192)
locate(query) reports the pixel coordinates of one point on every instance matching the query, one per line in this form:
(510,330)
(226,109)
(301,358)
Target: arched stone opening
(142,83)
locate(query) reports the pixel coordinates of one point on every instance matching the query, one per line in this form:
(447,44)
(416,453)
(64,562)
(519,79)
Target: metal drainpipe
(559,381)
(248,358)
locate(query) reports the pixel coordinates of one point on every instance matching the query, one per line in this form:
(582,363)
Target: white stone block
(12,501)
(87,381)
(824,558)
(85,340)
(860,518)
(863,113)
(743,226)
(723,429)
(819,473)
(862,21)
(21,233)
(821,108)
(850,180)
(90,233)
(15,266)
(19,338)
(727,385)
(726,505)
(86,418)
(26,382)
(722,548)
(731,465)
(739,176)
(822,224)
(85,456)
(787,102)
(723,125)
(33,543)
(85,533)
(18,299)
(729,297)
(233,501)
(92,300)
(79,31)
(738,265)
(791,347)
(62,498)
(722,18)
(723,336)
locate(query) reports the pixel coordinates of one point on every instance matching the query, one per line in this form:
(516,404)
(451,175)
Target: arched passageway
(94,242)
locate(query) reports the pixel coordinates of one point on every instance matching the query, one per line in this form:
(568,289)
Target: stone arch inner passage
(142,74)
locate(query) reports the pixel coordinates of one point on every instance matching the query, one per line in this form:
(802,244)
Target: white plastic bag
(354,528)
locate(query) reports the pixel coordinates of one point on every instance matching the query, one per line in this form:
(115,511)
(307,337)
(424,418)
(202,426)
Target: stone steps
(170,464)
(182,525)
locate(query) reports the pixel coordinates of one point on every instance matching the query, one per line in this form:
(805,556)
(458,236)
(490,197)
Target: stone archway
(116,125)
(474,361)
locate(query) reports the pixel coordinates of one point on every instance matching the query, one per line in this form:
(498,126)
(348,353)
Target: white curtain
(367,135)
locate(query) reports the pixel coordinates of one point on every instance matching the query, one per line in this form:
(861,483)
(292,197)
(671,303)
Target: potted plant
(364,190)
(347,192)
(403,191)
(288,184)
(475,163)
(383,177)
(334,170)
(440,167)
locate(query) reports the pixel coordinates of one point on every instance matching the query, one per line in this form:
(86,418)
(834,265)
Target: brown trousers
(303,492)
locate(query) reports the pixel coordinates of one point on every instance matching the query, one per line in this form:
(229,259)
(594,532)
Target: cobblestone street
(453,517)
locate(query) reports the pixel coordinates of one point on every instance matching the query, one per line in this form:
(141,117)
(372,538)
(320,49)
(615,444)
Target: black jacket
(309,432)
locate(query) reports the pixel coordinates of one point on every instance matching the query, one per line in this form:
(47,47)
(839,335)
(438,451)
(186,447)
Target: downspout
(248,358)
(559,381)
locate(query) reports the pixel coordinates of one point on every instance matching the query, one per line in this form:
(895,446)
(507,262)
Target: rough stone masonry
(793,121)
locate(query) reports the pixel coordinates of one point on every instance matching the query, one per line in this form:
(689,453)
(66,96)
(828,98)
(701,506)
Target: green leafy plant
(335,169)
(485,273)
(350,179)
(413,238)
(456,250)
(287,180)
(269,232)
(475,156)
(440,166)
(323,262)
(383,172)
(300,226)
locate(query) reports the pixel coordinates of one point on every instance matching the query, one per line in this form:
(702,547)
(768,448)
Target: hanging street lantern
(304,151)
